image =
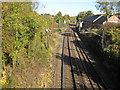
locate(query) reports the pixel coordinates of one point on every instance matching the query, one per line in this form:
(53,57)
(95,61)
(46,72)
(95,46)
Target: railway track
(77,71)
(99,82)
(67,75)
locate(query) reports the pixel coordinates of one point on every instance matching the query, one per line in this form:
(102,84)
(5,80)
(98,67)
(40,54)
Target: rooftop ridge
(98,17)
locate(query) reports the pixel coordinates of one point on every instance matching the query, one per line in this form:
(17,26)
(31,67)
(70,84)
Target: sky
(71,7)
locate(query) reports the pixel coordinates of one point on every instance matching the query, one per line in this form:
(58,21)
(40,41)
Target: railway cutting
(74,68)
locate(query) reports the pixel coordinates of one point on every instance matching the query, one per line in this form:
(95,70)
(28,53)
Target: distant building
(96,21)
(118,15)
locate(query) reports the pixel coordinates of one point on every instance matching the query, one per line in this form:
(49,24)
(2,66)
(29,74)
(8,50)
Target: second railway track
(77,71)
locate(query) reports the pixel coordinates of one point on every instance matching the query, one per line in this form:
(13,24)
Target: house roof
(96,18)
(91,18)
(102,19)
(118,15)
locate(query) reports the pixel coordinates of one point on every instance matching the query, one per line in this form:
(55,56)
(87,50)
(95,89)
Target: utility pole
(103,31)
(103,35)
(47,37)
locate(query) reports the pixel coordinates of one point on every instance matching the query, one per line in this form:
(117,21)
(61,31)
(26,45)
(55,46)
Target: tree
(89,13)
(104,7)
(59,13)
(66,17)
(35,5)
(81,15)
(108,6)
(59,18)
(84,14)
(116,7)
(20,30)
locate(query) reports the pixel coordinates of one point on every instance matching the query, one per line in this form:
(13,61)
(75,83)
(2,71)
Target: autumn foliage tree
(24,35)
(84,14)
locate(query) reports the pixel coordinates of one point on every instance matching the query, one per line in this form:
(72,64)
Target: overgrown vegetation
(112,37)
(62,20)
(84,14)
(26,51)
(112,48)
(111,40)
(111,52)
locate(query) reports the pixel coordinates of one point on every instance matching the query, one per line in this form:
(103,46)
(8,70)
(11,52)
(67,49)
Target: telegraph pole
(47,37)
(103,35)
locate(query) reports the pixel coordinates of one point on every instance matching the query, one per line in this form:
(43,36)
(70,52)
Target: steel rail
(79,71)
(71,63)
(62,66)
(95,74)
(92,74)
(84,67)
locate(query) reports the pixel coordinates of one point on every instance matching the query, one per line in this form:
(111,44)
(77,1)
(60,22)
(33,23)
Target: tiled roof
(96,18)
(102,19)
(118,15)
(91,18)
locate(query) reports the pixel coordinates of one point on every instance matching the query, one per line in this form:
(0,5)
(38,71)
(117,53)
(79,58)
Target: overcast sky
(71,7)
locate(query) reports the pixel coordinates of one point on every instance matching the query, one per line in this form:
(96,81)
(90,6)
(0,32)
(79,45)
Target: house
(118,15)
(96,21)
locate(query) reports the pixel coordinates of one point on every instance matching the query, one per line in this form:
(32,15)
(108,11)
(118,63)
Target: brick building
(96,21)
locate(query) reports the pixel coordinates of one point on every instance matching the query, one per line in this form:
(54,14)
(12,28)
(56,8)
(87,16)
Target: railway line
(77,71)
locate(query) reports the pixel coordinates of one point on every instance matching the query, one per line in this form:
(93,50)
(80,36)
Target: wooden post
(103,35)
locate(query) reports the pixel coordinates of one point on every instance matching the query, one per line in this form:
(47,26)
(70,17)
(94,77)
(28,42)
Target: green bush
(24,34)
